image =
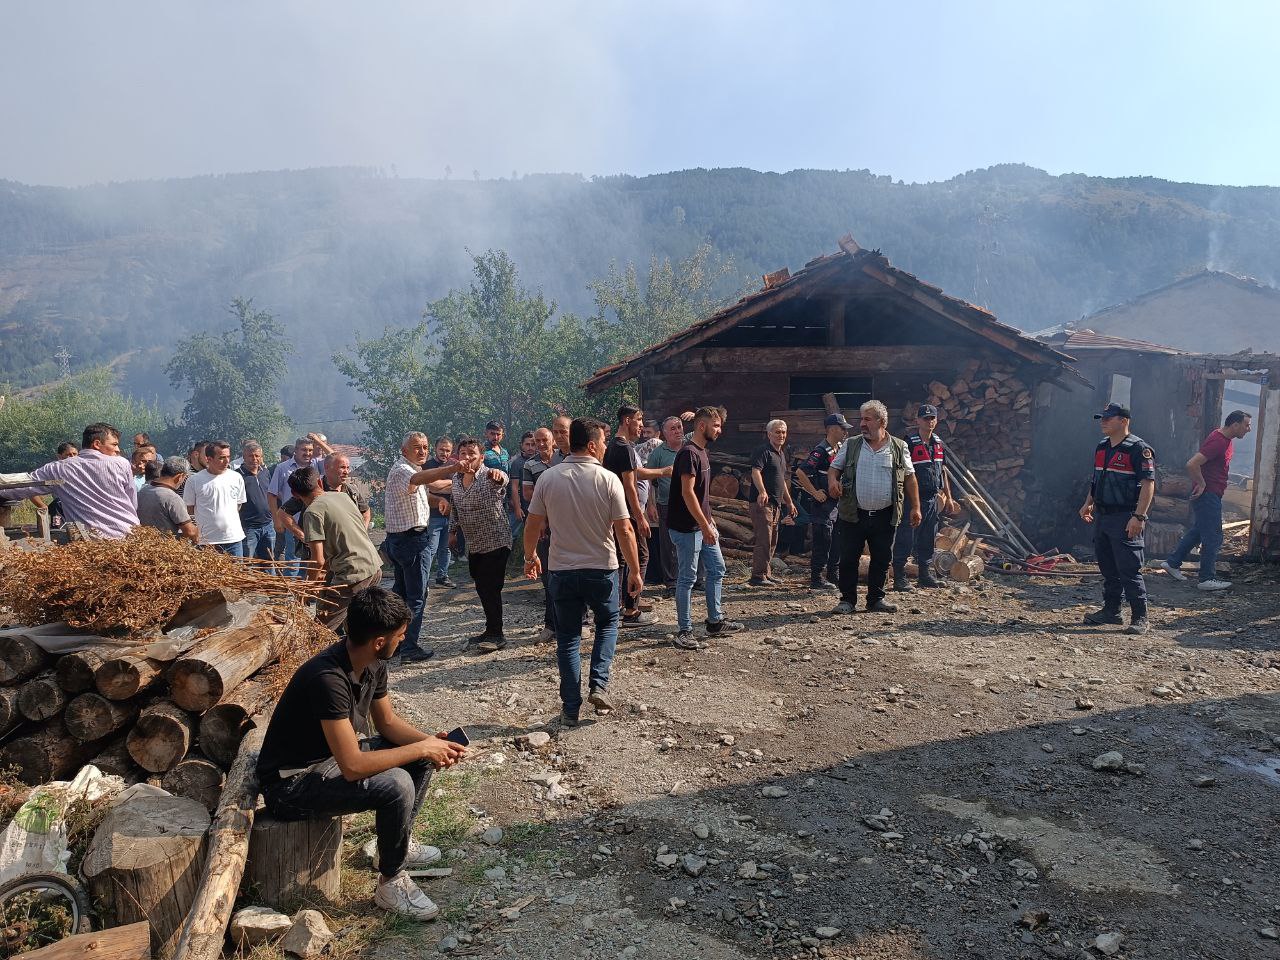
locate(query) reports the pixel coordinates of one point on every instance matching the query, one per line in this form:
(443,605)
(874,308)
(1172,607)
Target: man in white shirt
(874,481)
(213,496)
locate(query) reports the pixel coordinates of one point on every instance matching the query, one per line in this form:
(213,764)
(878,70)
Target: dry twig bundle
(127,586)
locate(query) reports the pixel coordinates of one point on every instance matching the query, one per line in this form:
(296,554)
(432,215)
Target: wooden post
(206,924)
(131,942)
(144,864)
(219,663)
(196,779)
(41,698)
(49,753)
(20,659)
(92,717)
(225,724)
(161,737)
(122,677)
(294,860)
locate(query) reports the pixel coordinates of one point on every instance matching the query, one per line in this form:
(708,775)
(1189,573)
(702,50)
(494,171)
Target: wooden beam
(130,942)
(814,359)
(834,309)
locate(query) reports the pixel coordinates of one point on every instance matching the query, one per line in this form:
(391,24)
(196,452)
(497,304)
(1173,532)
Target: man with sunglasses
(927,456)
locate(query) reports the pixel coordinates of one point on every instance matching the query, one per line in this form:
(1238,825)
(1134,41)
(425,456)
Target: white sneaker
(1171,570)
(402,896)
(420,855)
(1214,584)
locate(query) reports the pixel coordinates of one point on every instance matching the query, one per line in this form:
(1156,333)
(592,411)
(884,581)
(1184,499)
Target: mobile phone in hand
(459,736)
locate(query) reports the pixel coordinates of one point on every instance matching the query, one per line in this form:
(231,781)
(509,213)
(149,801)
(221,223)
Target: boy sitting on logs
(335,745)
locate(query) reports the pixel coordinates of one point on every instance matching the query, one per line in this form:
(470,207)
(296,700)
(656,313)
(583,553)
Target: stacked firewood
(733,521)
(985,416)
(177,724)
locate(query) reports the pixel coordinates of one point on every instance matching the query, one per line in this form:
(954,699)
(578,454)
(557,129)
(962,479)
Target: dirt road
(930,784)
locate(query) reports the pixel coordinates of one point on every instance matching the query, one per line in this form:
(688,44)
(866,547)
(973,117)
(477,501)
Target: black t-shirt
(435,463)
(255,511)
(621,457)
(692,459)
(773,471)
(322,689)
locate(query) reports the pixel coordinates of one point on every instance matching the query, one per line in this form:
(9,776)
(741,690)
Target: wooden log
(1174,485)
(291,861)
(115,760)
(725,485)
(161,737)
(966,568)
(206,924)
(224,725)
(219,663)
(20,659)
(41,698)
(130,942)
(733,528)
(92,716)
(10,714)
(49,753)
(144,864)
(75,670)
(196,778)
(125,676)
(1161,539)
(198,606)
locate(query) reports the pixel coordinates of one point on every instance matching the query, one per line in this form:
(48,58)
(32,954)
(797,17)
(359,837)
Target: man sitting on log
(335,745)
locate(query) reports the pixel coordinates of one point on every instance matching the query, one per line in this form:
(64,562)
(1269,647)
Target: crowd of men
(594,505)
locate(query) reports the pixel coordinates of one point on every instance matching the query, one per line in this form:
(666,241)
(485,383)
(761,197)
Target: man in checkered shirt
(412,551)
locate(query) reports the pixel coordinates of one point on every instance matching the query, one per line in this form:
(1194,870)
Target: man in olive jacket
(873,479)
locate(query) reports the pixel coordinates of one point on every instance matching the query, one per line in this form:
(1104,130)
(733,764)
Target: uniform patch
(1148,453)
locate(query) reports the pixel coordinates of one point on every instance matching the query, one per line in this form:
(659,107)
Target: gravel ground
(925,784)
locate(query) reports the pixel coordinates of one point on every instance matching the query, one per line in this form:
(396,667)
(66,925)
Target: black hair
(97,432)
(582,430)
(66,446)
(304,481)
(216,445)
(467,442)
(626,410)
(152,470)
(374,612)
(1235,416)
(708,414)
(527,435)
(286,451)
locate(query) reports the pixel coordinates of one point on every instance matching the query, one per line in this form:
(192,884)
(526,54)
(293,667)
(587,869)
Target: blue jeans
(690,549)
(573,592)
(412,555)
(287,555)
(260,541)
(438,534)
(233,549)
(394,795)
(1206,531)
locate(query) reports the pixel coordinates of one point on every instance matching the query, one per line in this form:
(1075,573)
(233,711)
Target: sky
(135,89)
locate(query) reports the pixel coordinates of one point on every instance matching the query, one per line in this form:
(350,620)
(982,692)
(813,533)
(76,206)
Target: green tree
(32,426)
(233,378)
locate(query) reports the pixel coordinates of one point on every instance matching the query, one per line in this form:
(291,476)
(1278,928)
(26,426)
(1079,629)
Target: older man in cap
(928,459)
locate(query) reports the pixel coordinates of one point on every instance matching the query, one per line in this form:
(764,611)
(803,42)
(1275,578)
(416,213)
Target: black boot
(900,582)
(1138,623)
(1107,615)
(927,579)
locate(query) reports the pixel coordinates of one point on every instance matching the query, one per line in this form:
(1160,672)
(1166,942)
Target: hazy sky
(97,91)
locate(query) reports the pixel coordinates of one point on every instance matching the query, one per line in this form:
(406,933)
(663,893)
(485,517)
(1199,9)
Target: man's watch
(1140,516)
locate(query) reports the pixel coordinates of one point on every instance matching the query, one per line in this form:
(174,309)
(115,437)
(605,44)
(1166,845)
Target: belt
(874,513)
(1108,511)
(416,531)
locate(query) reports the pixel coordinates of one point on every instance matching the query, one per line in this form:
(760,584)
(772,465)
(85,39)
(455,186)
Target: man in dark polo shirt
(770,495)
(335,745)
(255,512)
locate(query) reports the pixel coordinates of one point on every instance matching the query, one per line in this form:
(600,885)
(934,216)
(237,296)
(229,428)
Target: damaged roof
(781,284)
(1092,340)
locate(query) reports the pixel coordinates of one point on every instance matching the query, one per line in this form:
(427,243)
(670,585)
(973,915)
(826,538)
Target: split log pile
(986,415)
(1170,514)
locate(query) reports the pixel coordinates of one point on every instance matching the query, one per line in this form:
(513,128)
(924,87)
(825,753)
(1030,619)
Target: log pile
(985,414)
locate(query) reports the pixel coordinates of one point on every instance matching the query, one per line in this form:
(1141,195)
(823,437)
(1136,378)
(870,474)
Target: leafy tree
(233,378)
(32,426)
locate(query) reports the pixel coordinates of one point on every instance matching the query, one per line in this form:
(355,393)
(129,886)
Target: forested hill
(335,253)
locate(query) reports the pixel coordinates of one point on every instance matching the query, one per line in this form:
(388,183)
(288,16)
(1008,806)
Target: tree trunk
(120,678)
(20,659)
(41,698)
(224,725)
(49,753)
(144,864)
(206,923)
(132,942)
(92,717)
(197,606)
(75,670)
(196,779)
(10,714)
(161,737)
(219,663)
(291,861)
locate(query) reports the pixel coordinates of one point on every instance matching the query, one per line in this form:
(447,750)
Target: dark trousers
(575,592)
(331,609)
(412,555)
(918,541)
(872,529)
(826,548)
(764,526)
(1120,560)
(667,548)
(489,572)
(629,600)
(548,605)
(394,795)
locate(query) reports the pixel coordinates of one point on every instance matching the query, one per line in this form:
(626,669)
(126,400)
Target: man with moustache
(663,457)
(533,468)
(255,512)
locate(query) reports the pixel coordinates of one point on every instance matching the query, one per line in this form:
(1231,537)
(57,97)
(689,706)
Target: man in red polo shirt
(1208,470)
